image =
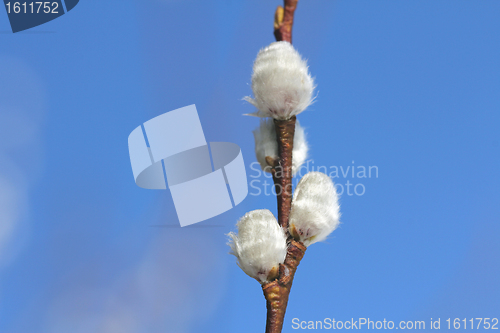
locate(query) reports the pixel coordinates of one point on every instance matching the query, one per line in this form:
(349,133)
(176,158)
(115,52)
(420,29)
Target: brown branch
(283,21)
(277,291)
(282,173)
(285,129)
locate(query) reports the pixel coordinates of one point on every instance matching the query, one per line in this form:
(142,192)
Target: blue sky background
(411,87)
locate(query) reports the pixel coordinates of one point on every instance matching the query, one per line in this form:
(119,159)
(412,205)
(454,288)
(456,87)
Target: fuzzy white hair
(266,145)
(315,209)
(260,245)
(281,83)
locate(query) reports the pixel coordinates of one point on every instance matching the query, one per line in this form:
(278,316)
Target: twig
(282,171)
(283,21)
(276,292)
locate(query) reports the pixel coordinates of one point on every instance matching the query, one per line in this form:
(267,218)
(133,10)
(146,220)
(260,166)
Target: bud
(315,209)
(281,83)
(266,145)
(260,245)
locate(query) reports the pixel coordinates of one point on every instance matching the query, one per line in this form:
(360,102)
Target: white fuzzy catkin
(266,145)
(281,83)
(260,244)
(315,209)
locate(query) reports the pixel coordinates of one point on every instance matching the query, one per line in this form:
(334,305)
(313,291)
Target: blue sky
(409,87)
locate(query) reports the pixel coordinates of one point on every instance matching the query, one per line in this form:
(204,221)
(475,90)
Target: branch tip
(283,21)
